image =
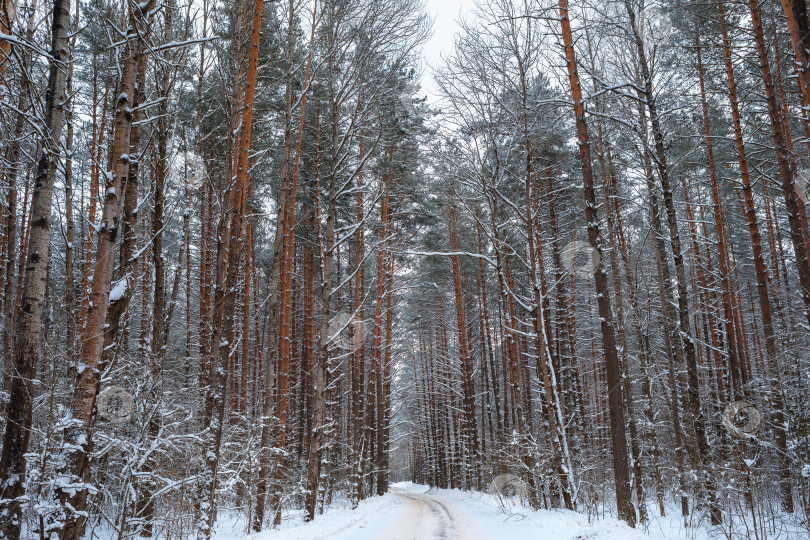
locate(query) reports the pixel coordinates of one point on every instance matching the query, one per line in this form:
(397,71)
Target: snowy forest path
(411,511)
(427,516)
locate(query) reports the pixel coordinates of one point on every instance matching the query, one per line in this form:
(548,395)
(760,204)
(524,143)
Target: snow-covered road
(414,512)
(426,516)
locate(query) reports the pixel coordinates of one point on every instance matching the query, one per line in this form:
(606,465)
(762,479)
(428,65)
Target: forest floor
(414,512)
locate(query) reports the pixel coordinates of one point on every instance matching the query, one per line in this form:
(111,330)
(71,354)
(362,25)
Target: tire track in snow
(428,517)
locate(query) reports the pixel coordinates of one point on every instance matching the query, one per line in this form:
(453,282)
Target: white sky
(445,15)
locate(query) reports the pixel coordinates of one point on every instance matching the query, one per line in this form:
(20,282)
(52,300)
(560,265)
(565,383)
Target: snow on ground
(337,522)
(412,511)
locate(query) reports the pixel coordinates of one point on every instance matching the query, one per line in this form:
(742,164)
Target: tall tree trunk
(385,438)
(378,353)
(269,403)
(29,321)
(720,231)
(787,165)
(79,436)
(327,249)
(469,424)
(12,156)
(119,305)
(488,351)
(360,417)
(695,411)
(621,470)
(546,369)
(145,504)
(287,231)
(69,308)
(799,31)
(99,132)
(7,16)
(229,243)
